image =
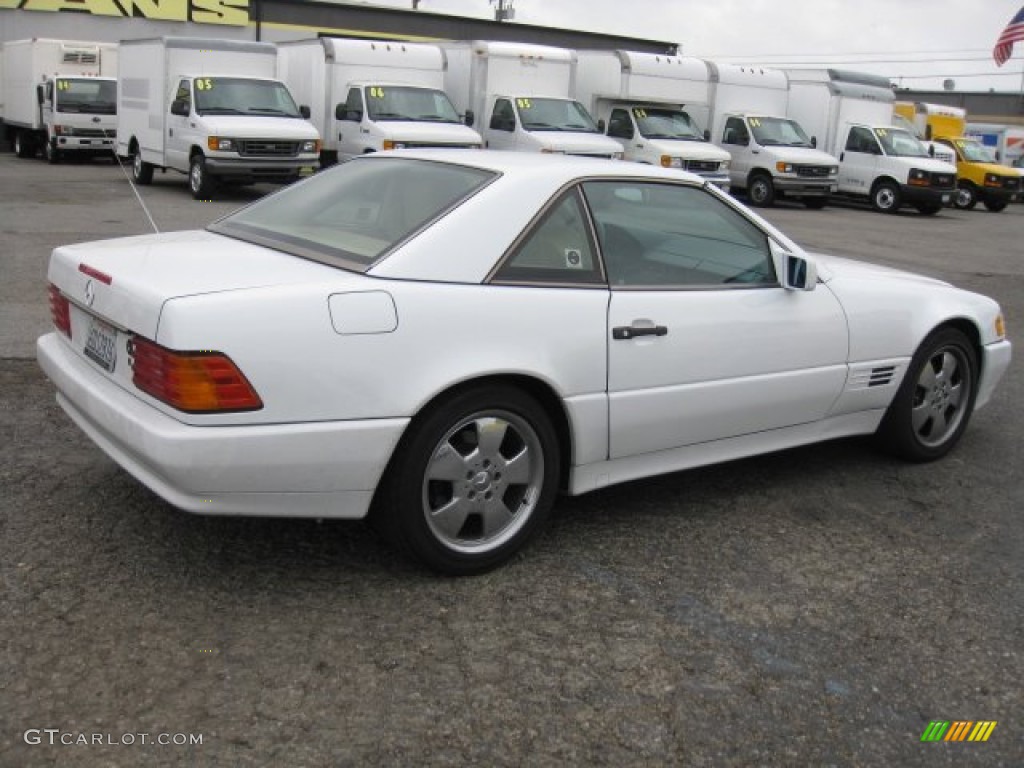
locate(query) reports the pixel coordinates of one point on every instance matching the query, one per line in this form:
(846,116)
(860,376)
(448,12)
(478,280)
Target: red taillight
(194,382)
(60,311)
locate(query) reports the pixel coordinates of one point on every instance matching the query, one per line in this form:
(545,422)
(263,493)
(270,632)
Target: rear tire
(995,205)
(142,172)
(23,146)
(53,155)
(966,196)
(929,210)
(761,191)
(200,182)
(885,197)
(473,479)
(933,405)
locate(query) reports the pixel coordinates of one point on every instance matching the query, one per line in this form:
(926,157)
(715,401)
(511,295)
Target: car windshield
(96,97)
(356,212)
(975,152)
(243,96)
(777,131)
(554,115)
(656,123)
(899,143)
(397,102)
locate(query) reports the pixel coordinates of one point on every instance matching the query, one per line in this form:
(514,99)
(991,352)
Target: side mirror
(707,135)
(469,118)
(928,132)
(814,141)
(800,274)
(179,107)
(40,97)
(931,150)
(304,111)
(601,125)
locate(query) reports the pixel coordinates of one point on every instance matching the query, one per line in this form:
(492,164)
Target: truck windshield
(779,132)
(243,96)
(975,152)
(554,115)
(899,143)
(655,123)
(95,97)
(396,102)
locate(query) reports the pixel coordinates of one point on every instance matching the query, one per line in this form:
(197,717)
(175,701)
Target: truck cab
(80,116)
(773,157)
(526,123)
(658,134)
(890,167)
(380,116)
(979,177)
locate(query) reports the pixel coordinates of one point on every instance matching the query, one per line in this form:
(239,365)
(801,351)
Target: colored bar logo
(959,730)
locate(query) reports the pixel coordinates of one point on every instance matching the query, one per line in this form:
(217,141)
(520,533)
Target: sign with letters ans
(231,12)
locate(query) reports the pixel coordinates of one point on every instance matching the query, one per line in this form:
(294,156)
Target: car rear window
(354,214)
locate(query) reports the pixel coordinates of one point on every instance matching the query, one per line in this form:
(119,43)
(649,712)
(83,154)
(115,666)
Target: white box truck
(368,95)
(852,114)
(772,155)
(520,94)
(211,109)
(1005,141)
(59,96)
(646,102)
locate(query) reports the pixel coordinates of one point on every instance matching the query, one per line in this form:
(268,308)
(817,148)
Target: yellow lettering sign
(233,12)
(376,92)
(523,103)
(204,84)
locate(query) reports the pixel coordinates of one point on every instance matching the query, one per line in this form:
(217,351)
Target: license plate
(101,344)
(306,170)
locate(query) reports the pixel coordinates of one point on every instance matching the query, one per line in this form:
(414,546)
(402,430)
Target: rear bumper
(250,169)
(318,469)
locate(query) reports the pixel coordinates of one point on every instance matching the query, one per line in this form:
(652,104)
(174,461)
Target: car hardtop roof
(521,164)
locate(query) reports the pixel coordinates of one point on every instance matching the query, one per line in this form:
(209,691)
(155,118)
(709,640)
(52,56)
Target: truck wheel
(929,210)
(995,205)
(23,145)
(815,203)
(52,153)
(966,196)
(199,180)
(142,172)
(885,197)
(761,191)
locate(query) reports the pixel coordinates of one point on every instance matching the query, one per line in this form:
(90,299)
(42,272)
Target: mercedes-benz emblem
(90,292)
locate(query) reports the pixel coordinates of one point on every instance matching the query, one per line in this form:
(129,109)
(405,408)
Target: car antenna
(136,191)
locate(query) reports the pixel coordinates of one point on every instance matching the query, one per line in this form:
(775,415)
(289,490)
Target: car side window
(861,140)
(183,93)
(504,116)
(354,105)
(735,132)
(557,249)
(659,235)
(619,125)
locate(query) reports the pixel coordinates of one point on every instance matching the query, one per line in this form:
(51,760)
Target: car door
(736,141)
(703,342)
(621,128)
(180,127)
(501,128)
(348,126)
(858,162)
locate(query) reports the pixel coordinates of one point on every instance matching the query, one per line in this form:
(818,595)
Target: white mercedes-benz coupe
(445,340)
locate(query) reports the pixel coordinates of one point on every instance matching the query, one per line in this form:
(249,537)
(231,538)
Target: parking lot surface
(814,607)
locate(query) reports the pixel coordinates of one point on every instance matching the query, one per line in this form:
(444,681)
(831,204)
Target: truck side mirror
(39,94)
(707,135)
(814,141)
(179,107)
(469,118)
(304,111)
(928,132)
(931,150)
(600,125)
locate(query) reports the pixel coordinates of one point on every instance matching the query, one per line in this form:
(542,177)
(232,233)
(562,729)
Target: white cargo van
(645,101)
(772,155)
(212,109)
(521,96)
(59,96)
(368,95)
(852,114)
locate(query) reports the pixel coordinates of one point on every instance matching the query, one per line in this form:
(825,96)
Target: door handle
(627,332)
(170,131)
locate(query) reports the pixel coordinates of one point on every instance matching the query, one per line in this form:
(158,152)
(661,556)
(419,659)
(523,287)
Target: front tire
(966,196)
(815,203)
(885,197)
(53,155)
(473,479)
(935,400)
(929,210)
(761,191)
(200,183)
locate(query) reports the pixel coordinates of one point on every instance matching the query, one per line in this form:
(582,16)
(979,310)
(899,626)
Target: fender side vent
(881,376)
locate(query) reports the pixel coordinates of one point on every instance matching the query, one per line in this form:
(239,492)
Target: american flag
(1014,32)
